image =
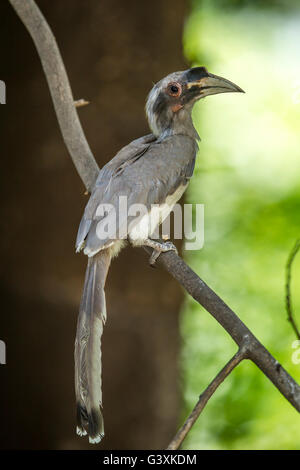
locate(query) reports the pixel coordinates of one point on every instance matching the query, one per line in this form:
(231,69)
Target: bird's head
(170,101)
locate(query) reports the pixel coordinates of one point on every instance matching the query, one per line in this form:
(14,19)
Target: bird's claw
(161,248)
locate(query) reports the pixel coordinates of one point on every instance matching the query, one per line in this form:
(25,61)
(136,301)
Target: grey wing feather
(126,156)
(83,230)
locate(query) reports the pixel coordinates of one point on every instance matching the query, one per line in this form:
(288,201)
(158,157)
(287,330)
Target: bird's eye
(174,89)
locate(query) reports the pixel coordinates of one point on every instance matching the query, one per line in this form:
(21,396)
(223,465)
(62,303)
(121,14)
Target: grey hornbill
(154,169)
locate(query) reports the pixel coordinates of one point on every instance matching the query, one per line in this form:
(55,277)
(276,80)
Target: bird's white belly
(150,221)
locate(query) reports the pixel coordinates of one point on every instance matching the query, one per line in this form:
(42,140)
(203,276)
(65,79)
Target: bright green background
(248,177)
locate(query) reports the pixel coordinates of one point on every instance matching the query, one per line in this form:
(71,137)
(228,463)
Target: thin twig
(81,102)
(204,397)
(288,296)
(88,170)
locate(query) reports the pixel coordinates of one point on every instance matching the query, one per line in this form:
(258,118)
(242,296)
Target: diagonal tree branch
(239,332)
(249,346)
(205,396)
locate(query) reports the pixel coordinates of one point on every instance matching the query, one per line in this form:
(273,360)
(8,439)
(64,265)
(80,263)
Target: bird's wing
(146,178)
(127,155)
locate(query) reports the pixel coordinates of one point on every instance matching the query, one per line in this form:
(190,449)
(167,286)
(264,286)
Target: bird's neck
(170,123)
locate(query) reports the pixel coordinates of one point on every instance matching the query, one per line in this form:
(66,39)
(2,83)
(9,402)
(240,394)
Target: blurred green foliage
(248,177)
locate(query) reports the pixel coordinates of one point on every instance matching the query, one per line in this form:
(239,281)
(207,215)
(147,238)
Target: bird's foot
(158,248)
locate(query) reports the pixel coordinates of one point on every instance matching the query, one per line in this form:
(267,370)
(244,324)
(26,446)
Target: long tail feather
(92,316)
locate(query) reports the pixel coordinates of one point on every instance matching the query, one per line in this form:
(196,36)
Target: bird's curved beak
(200,83)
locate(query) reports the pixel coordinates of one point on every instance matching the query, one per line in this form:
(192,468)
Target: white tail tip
(81,432)
(95,440)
